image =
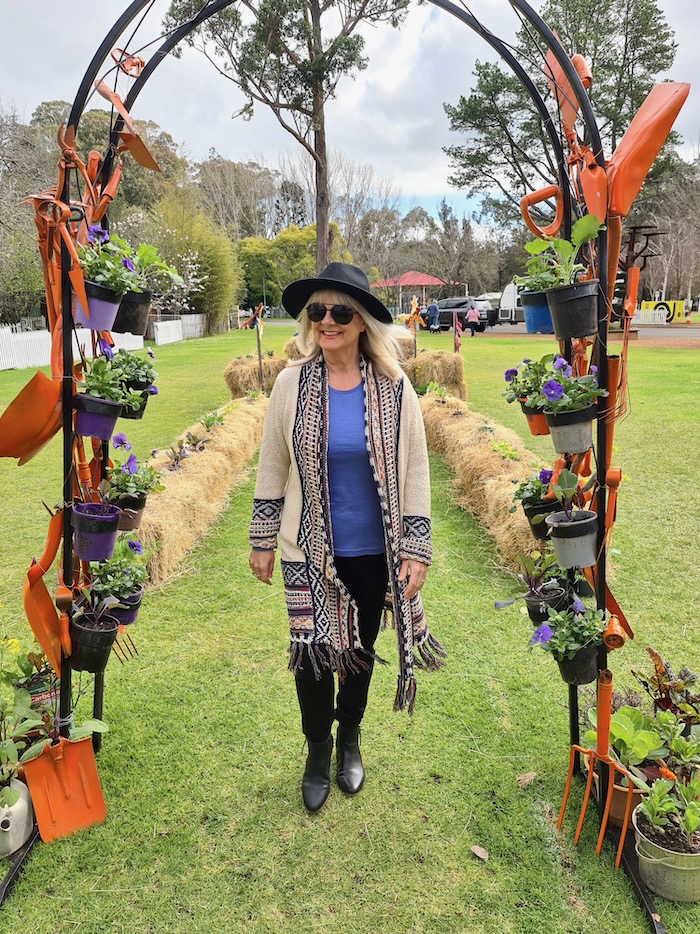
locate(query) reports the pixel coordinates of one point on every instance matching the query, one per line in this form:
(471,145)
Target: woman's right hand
(261,564)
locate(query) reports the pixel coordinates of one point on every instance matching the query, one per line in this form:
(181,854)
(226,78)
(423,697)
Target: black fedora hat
(339,277)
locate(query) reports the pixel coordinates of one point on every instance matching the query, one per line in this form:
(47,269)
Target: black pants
(366,579)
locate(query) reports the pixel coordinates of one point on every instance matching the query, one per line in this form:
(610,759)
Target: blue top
(356,516)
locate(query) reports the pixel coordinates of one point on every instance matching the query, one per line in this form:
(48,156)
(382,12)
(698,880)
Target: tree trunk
(321,161)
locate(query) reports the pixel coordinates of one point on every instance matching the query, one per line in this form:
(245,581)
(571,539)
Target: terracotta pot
(131,513)
(536,419)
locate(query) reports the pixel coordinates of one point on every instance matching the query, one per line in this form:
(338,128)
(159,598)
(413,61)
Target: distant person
(433,316)
(472,316)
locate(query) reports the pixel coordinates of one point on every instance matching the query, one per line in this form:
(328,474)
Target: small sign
(674,310)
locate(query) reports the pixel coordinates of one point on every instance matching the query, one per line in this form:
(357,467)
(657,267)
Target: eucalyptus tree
(290,55)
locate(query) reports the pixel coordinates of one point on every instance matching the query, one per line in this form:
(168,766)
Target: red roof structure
(410,280)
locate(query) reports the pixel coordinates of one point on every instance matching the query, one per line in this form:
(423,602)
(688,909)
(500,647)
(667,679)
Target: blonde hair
(383,344)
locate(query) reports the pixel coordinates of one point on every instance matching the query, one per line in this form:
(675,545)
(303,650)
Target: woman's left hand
(415,571)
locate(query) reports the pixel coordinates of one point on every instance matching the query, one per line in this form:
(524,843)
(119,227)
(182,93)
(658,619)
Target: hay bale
(291,351)
(242,375)
(195,494)
(437,366)
(487,462)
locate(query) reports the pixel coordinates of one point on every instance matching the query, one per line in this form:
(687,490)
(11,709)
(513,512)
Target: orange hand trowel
(65,788)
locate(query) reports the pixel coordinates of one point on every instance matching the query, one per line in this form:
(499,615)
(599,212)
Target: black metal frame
(525,11)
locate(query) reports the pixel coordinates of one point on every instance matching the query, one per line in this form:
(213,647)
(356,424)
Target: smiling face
(332,337)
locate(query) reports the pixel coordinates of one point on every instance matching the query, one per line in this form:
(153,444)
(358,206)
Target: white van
(510,307)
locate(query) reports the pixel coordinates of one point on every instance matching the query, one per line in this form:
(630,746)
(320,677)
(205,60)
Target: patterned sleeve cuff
(265,523)
(415,543)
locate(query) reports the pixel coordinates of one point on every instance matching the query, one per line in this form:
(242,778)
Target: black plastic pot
(540,529)
(132,508)
(582,668)
(537,605)
(136,385)
(133,313)
(91,641)
(574,309)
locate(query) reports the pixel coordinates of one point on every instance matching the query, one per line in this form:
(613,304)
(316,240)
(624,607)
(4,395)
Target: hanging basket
(540,529)
(94,530)
(536,419)
(131,512)
(574,309)
(538,604)
(91,641)
(136,385)
(575,539)
(572,432)
(538,318)
(95,418)
(582,668)
(103,305)
(132,316)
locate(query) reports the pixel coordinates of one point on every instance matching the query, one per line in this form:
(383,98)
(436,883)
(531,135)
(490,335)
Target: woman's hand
(415,571)
(261,564)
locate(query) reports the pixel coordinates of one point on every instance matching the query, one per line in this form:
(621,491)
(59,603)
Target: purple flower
(559,363)
(552,390)
(105,349)
(510,375)
(126,262)
(136,547)
(119,441)
(131,465)
(567,371)
(96,234)
(577,606)
(545,475)
(594,369)
(541,635)
(153,390)
(151,354)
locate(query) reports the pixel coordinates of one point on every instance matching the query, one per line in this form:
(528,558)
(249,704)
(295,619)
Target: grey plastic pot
(574,540)
(672,875)
(574,309)
(572,432)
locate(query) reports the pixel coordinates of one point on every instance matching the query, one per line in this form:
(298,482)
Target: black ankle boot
(351,774)
(316,783)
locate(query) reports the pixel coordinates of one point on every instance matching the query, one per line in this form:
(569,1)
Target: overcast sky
(391,115)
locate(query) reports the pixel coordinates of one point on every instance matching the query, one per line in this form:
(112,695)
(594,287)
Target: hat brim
(297,294)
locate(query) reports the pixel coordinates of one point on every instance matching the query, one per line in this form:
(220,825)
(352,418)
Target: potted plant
(93,629)
(524,384)
(574,533)
(104,397)
(136,376)
(573,303)
(16,813)
(120,577)
(109,273)
(536,500)
(538,575)
(573,636)
(672,692)
(127,486)
(533,298)
(568,403)
(153,274)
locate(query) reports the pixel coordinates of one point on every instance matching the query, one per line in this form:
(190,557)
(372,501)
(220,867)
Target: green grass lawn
(205,828)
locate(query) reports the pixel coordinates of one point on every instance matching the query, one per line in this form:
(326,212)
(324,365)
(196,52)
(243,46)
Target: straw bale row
(194,495)
(484,478)
(242,374)
(437,366)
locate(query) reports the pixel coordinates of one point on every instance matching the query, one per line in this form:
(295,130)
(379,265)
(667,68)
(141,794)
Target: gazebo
(412,280)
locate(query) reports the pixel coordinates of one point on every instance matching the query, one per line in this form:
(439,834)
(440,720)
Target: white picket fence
(33,348)
(167,332)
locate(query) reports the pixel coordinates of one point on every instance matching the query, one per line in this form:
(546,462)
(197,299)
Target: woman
(472,317)
(343,482)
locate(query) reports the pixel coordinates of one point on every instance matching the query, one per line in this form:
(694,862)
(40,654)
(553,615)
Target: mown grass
(205,828)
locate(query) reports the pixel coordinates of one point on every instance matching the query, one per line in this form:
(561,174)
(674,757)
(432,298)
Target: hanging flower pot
(574,309)
(537,604)
(582,668)
(574,539)
(95,418)
(132,316)
(539,527)
(538,318)
(127,611)
(572,432)
(94,530)
(131,512)
(16,821)
(103,305)
(91,638)
(536,419)
(142,387)
(668,873)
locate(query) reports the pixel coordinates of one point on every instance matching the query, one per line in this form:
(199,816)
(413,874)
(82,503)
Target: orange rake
(592,756)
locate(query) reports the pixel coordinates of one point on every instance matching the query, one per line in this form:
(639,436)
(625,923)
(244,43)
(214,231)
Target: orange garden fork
(592,756)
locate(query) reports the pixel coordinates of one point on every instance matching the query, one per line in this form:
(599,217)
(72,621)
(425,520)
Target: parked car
(510,307)
(487,311)
(447,307)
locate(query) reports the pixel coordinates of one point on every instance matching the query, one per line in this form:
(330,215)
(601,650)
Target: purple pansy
(541,635)
(119,441)
(96,234)
(126,262)
(153,390)
(545,475)
(594,369)
(136,547)
(577,605)
(567,371)
(510,375)
(559,363)
(131,465)
(105,349)
(552,390)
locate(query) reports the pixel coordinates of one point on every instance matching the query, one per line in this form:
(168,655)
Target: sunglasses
(341,314)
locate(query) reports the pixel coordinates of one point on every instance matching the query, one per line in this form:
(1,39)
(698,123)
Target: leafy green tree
(626,43)
(259,261)
(290,56)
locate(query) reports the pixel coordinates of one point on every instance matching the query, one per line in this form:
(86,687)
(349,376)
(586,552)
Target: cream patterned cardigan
(291,509)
